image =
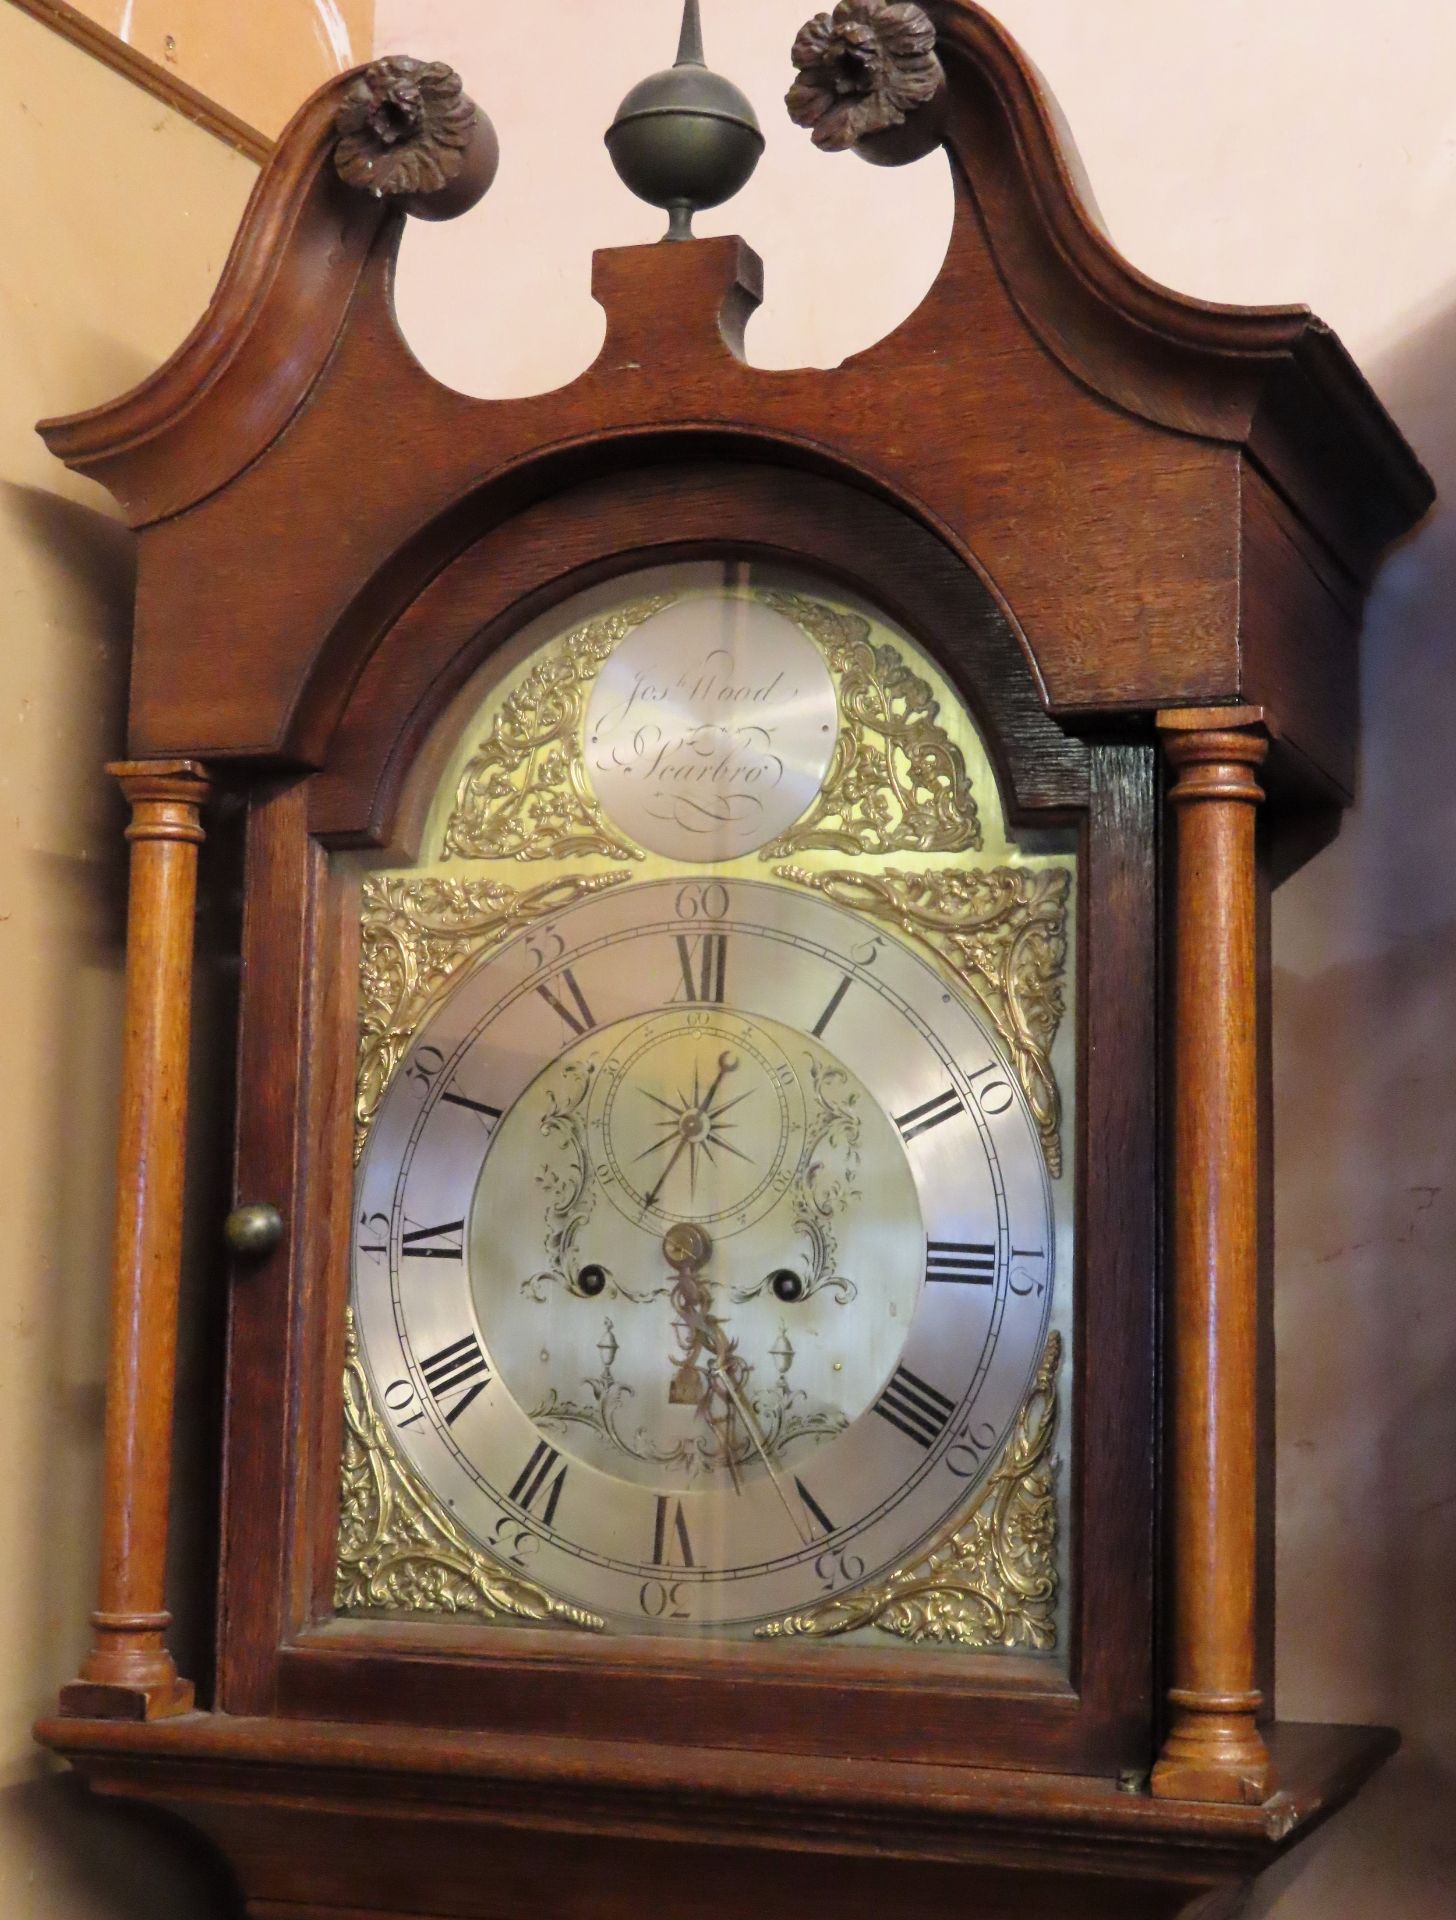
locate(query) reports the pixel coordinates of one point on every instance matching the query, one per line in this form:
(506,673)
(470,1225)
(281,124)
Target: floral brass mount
(398,1553)
(415,935)
(524,794)
(991,1581)
(896,782)
(1003,933)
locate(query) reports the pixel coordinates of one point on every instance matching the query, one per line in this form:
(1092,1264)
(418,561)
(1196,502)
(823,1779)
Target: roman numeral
(933,1113)
(536,1479)
(581,1020)
(915,1408)
(829,1012)
(671,1530)
(475,1106)
(450,1232)
(817,1516)
(704,964)
(960,1264)
(459,1369)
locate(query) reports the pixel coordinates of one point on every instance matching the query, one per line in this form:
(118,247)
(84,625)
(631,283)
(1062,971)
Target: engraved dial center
(697,1116)
(633,1227)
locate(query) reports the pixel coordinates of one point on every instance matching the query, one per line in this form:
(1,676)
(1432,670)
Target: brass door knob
(253,1232)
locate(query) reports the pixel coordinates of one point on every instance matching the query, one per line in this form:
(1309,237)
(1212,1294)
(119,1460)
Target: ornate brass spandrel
(992,1580)
(1003,933)
(897,782)
(398,1553)
(524,794)
(416,934)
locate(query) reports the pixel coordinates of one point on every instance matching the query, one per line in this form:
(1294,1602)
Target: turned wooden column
(129,1674)
(1214,1750)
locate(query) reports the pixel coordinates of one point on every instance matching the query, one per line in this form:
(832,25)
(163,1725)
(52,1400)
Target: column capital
(165,796)
(1216,752)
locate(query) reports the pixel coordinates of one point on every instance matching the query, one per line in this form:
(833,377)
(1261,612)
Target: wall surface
(118,219)
(258,59)
(1243,152)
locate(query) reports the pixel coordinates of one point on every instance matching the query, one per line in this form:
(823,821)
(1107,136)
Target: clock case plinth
(1138,532)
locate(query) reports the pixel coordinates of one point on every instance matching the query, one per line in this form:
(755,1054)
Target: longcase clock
(749,1369)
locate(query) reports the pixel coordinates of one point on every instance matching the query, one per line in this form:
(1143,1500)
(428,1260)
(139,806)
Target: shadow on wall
(104,1859)
(1365,1062)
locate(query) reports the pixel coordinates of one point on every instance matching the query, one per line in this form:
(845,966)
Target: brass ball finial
(686,138)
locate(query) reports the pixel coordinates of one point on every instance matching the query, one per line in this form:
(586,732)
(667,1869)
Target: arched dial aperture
(703,1253)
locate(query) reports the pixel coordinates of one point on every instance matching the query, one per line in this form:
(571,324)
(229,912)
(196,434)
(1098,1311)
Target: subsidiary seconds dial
(705,1243)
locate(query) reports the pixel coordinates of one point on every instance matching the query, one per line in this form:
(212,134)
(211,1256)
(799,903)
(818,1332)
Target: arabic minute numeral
(376,1229)
(930,1113)
(458,1373)
(704,963)
(917,1409)
(967,1453)
(1023,1283)
(536,1479)
(995,1096)
(670,1534)
(662,1600)
(425,1064)
(960,1263)
(578,1016)
(834,1570)
(398,1396)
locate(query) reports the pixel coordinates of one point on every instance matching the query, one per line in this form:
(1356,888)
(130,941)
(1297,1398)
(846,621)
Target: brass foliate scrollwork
(1003,933)
(897,783)
(414,935)
(397,1552)
(524,794)
(989,1582)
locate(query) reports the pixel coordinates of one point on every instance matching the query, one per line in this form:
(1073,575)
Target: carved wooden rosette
(416,934)
(1003,934)
(869,79)
(409,133)
(129,1673)
(991,1581)
(1214,1750)
(399,1552)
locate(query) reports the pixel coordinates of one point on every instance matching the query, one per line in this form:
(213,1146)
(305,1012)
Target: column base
(128,1674)
(108,1700)
(1215,1752)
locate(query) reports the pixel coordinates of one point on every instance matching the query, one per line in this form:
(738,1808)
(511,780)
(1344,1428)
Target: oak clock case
(711,1208)
(749,1368)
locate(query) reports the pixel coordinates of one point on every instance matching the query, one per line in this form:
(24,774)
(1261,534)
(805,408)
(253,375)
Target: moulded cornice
(1265,376)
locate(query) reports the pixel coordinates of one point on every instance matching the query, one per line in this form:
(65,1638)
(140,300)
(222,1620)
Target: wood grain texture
(1214,1749)
(1093,502)
(1088,443)
(129,1673)
(386,1821)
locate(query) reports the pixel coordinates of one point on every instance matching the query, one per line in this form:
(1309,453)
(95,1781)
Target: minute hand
(745,1414)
